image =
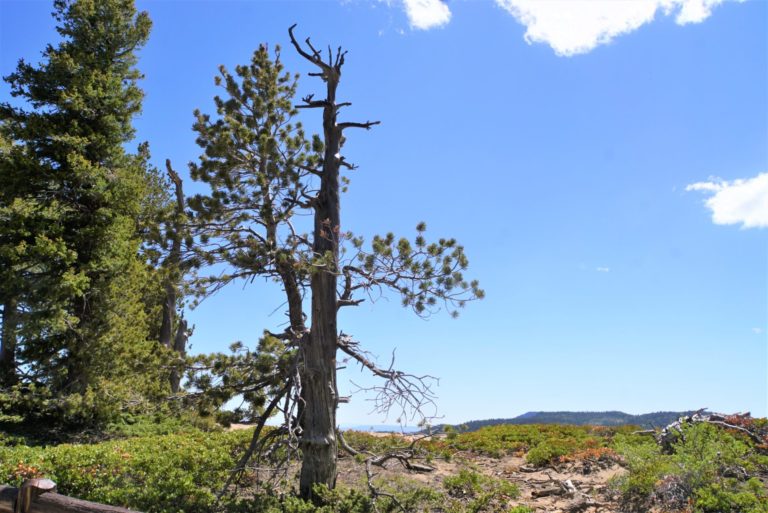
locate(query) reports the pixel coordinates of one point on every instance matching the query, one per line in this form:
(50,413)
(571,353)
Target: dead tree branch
(411,393)
(667,436)
(403,455)
(255,440)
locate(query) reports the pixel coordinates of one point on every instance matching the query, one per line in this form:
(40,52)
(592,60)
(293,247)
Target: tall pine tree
(73,206)
(274,212)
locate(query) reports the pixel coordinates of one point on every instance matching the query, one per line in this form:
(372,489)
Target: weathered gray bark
(169,315)
(172,262)
(174,273)
(319,392)
(8,344)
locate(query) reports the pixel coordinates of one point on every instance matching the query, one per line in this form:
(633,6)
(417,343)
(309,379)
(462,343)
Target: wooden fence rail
(39,496)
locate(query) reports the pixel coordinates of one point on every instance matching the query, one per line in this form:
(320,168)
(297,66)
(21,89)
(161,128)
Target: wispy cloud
(572,27)
(757,331)
(603,269)
(743,201)
(427,14)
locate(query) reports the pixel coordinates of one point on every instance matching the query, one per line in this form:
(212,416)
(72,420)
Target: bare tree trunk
(169,314)
(319,392)
(174,275)
(180,347)
(8,346)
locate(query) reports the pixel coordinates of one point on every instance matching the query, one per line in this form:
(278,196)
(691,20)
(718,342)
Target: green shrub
(155,474)
(547,442)
(549,451)
(480,492)
(148,425)
(699,473)
(721,498)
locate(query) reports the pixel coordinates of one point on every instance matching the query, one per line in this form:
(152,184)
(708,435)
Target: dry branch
(403,455)
(667,436)
(411,393)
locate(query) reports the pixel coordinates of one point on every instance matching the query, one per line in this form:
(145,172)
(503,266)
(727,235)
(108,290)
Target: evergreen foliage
(265,174)
(74,208)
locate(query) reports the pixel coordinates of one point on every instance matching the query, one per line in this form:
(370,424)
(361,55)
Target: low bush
(156,474)
(478,492)
(542,444)
(710,470)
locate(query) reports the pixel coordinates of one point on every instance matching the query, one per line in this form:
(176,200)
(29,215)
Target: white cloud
(743,201)
(427,14)
(757,331)
(572,27)
(603,269)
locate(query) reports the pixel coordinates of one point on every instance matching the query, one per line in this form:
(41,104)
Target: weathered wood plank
(55,503)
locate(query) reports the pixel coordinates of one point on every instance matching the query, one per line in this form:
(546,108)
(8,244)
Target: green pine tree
(74,209)
(274,212)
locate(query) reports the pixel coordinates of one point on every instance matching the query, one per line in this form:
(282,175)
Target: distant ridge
(578,418)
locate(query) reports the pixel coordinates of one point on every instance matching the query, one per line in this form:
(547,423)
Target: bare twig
(411,393)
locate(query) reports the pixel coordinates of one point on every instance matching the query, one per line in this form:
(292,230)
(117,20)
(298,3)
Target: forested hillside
(577,418)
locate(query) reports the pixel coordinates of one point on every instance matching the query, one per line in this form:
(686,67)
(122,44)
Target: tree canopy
(267,178)
(75,205)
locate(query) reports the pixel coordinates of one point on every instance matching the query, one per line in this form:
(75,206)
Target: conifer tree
(73,206)
(267,178)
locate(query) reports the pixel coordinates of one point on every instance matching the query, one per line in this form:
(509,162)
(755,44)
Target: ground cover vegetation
(168,466)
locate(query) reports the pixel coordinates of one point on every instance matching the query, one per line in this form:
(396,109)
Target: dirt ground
(591,493)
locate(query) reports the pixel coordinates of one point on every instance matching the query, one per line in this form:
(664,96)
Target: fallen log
(547,492)
(33,498)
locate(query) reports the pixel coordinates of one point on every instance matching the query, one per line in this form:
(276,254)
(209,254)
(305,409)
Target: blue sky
(603,163)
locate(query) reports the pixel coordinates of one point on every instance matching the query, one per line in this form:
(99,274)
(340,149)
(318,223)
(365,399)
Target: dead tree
(174,274)
(319,392)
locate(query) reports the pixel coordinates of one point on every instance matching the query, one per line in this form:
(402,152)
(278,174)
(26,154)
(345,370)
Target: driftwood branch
(375,492)
(255,440)
(567,488)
